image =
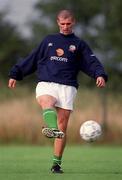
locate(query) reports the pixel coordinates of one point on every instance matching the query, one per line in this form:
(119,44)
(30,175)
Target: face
(65,25)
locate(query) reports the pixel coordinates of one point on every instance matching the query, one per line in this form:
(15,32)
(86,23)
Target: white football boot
(52,133)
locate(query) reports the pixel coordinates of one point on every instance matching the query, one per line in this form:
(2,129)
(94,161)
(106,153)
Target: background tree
(12,46)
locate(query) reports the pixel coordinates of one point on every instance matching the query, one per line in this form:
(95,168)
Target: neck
(66,34)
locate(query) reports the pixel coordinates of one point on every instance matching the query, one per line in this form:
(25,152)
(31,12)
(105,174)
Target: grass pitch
(79,163)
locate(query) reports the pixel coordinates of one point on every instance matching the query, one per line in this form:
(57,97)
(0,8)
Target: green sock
(50,118)
(57,160)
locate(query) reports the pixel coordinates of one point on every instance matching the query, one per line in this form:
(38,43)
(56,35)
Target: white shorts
(64,94)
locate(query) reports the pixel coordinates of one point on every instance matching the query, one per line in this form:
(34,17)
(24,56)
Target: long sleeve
(89,63)
(27,65)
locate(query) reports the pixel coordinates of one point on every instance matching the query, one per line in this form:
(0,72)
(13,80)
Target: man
(58,60)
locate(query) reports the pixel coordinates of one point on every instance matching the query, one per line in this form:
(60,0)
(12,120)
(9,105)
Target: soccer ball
(90,130)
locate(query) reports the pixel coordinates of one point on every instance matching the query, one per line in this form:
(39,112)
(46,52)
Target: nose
(65,26)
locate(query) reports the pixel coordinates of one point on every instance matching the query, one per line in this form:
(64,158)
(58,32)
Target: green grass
(79,163)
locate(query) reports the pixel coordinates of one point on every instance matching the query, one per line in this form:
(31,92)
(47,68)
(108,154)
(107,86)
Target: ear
(58,21)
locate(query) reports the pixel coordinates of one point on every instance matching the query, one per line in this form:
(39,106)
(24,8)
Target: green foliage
(114,22)
(12,46)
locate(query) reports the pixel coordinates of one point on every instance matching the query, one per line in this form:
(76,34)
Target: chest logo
(72,48)
(50,44)
(60,52)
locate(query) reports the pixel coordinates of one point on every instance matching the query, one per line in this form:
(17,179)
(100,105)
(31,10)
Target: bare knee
(46,101)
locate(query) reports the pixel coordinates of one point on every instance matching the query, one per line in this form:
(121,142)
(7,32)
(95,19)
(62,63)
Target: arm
(22,68)
(27,65)
(90,65)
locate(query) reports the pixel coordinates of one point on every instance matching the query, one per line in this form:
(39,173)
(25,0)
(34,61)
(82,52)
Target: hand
(100,82)
(12,83)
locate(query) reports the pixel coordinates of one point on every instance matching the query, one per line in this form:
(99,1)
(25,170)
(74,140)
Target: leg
(59,144)
(47,104)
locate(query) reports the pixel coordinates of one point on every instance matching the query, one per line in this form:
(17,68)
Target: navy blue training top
(59,58)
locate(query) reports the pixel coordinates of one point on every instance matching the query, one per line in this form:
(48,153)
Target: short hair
(65,14)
